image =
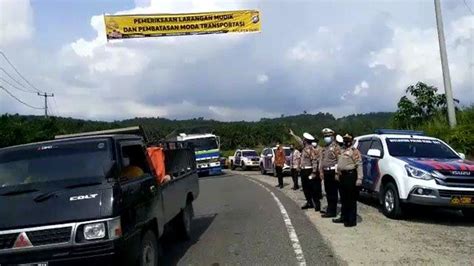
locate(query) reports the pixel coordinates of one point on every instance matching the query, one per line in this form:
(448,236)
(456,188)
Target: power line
(19,74)
(15,87)
(468,7)
(20,101)
(16,81)
(56,107)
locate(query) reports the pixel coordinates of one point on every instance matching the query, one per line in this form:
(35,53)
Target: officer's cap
(348,136)
(308,136)
(327,132)
(339,138)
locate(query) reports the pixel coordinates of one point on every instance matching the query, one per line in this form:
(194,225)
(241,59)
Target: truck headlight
(416,172)
(94,231)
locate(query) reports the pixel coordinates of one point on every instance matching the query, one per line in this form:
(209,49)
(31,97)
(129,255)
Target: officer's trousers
(349,195)
(294,176)
(311,188)
(330,185)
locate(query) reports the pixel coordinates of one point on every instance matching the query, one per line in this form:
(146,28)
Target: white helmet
(339,139)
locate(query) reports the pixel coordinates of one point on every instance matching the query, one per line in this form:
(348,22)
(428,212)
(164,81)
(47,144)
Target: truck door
(268,160)
(238,158)
(138,186)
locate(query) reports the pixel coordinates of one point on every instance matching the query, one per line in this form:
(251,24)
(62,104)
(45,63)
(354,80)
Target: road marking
(295,242)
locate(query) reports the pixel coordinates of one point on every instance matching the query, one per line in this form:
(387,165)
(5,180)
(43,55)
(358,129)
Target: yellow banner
(156,25)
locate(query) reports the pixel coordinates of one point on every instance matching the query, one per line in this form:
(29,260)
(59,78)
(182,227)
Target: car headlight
(94,231)
(418,173)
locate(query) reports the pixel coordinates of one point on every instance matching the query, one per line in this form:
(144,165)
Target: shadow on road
(174,249)
(423,214)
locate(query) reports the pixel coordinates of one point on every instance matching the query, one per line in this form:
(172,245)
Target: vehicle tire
(391,205)
(183,222)
(150,250)
(468,214)
(244,167)
(274,171)
(262,170)
(232,166)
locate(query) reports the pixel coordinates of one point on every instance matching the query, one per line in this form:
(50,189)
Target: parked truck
(92,199)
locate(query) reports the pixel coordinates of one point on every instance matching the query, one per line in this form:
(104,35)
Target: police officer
(295,161)
(327,168)
(310,179)
(349,169)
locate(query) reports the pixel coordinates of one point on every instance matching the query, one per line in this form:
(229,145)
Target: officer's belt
(329,168)
(307,167)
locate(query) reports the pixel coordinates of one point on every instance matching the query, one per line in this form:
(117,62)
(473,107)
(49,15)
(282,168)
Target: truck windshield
(249,153)
(204,144)
(419,148)
(55,161)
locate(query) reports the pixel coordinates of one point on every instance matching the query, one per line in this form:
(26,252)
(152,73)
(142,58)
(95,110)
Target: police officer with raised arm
(310,179)
(349,169)
(327,167)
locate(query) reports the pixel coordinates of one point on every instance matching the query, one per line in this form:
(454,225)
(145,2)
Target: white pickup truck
(245,159)
(406,167)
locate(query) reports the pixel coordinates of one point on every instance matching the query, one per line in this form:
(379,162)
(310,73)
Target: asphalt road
(238,221)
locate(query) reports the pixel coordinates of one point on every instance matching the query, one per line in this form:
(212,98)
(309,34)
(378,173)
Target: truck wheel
(274,171)
(468,214)
(149,249)
(262,170)
(391,204)
(244,167)
(232,166)
(184,222)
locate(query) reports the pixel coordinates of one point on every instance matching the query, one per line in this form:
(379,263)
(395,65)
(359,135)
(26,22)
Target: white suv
(407,167)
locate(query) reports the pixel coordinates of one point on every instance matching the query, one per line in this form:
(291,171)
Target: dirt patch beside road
(441,237)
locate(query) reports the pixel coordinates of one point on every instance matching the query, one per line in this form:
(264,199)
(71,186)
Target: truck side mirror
(462,155)
(374,153)
(270,155)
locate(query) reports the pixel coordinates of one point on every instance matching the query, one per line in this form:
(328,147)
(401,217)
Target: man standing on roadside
(310,178)
(280,159)
(327,168)
(349,168)
(295,161)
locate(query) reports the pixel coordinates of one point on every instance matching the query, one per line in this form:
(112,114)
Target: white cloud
(16,21)
(262,78)
(361,88)
(413,55)
(304,52)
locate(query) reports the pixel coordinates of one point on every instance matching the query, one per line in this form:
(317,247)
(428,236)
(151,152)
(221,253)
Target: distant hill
(17,129)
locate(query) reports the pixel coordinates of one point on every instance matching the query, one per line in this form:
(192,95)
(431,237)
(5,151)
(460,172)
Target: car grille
(6,241)
(450,193)
(50,236)
(456,181)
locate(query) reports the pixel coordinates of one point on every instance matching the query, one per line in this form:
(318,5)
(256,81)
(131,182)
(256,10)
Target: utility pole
(46,95)
(444,65)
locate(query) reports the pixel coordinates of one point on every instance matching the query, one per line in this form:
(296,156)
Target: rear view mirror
(374,153)
(462,155)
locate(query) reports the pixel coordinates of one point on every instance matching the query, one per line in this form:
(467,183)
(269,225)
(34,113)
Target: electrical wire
(56,106)
(16,81)
(19,74)
(20,101)
(468,7)
(15,87)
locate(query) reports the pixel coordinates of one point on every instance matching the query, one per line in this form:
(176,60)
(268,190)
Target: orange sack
(157,159)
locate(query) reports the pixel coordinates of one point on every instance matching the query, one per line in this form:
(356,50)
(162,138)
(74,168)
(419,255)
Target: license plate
(462,200)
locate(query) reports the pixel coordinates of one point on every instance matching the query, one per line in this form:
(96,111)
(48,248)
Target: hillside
(17,129)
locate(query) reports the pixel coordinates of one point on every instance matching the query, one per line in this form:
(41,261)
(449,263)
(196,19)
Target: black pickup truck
(66,201)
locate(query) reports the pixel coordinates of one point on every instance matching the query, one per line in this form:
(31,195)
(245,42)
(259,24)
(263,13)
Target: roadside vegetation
(422,109)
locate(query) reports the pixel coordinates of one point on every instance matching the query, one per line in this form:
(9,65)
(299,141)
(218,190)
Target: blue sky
(341,57)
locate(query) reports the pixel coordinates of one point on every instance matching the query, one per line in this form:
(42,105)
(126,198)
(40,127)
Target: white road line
(289,227)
